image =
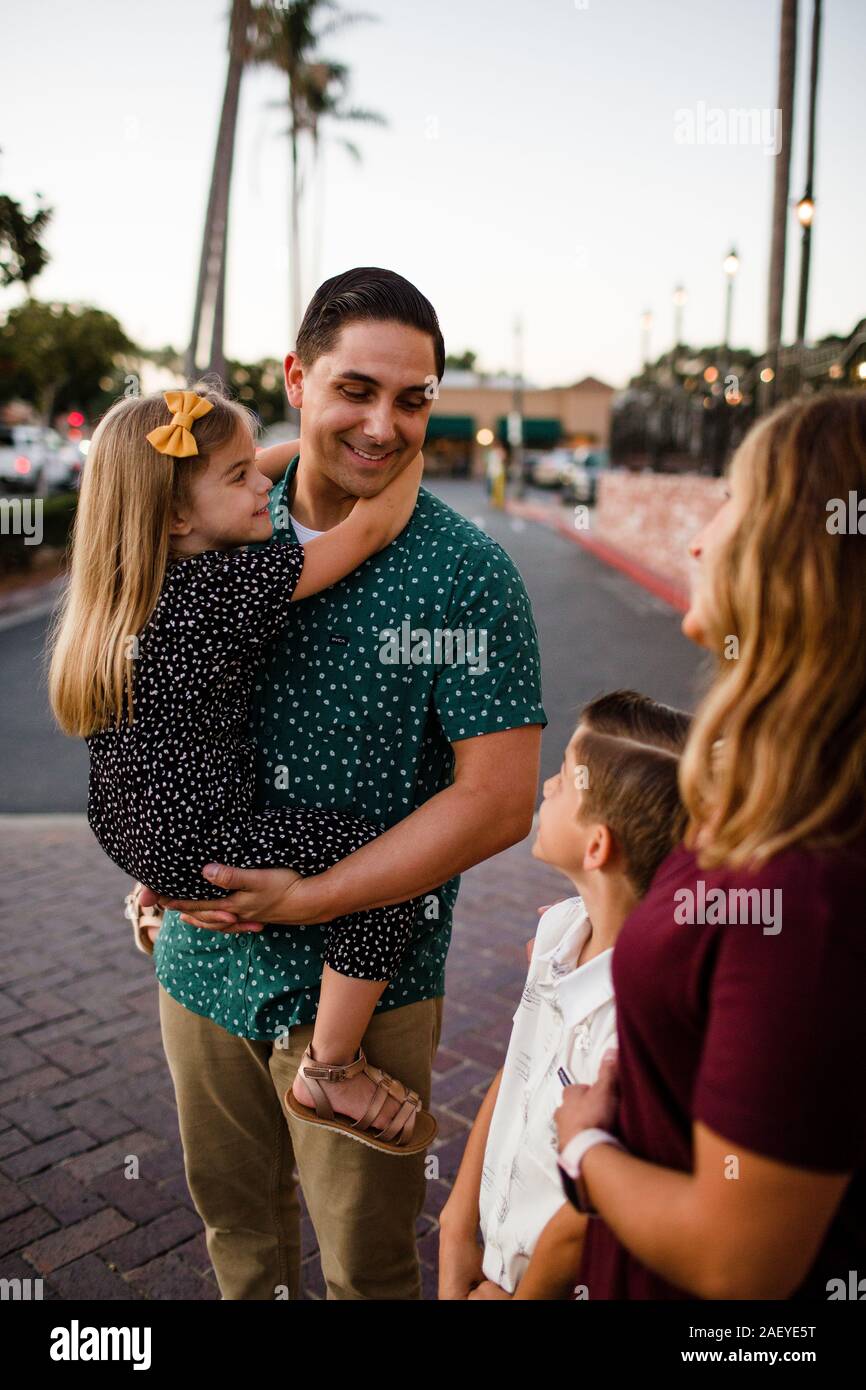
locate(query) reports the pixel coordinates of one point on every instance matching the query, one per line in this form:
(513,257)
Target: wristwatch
(569,1162)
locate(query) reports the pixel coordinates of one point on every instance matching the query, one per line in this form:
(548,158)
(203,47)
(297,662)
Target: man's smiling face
(363,406)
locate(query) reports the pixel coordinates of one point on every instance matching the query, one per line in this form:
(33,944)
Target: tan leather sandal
(410,1131)
(141,918)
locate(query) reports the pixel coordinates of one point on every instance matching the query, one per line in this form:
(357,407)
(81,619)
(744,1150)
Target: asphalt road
(597,631)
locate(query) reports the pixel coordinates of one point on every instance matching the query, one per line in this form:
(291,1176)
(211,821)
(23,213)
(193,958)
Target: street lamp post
(515,427)
(806,205)
(680,298)
(731,265)
(805,216)
(646,323)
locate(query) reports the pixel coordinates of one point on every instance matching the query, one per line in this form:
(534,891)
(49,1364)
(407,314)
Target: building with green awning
(538,432)
(451,427)
(471,409)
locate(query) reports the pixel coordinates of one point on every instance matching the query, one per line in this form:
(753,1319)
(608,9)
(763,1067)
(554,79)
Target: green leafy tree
(260,386)
(462,361)
(61,356)
(22,255)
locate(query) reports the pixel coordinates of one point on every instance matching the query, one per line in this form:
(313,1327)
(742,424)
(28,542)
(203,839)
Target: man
(357,710)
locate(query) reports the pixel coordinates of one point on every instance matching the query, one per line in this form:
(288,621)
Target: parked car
(24,456)
(548,469)
(581,481)
(63,463)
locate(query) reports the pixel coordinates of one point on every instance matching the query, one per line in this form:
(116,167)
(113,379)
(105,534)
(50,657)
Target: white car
(24,457)
(549,469)
(63,463)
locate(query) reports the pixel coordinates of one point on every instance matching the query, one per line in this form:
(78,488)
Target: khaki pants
(241,1146)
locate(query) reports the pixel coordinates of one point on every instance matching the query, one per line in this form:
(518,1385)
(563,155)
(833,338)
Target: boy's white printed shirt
(565,1019)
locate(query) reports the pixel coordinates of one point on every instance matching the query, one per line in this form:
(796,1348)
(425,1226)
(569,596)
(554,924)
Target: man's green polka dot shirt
(355,708)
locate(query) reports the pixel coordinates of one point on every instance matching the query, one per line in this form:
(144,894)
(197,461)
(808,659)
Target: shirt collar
(582,990)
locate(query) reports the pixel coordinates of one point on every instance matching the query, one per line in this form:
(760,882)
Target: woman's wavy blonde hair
(120,548)
(777,752)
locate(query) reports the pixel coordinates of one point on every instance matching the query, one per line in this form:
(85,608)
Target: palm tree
(287,38)
(325,93)
(781,184)
(212,265)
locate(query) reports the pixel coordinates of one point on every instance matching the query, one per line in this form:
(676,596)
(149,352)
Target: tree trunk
(781,185)
(210,288)
(295,247)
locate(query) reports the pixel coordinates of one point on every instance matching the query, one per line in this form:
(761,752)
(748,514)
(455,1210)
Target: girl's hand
(589,1107)
(393,506)
(487,1289)
(460,1265)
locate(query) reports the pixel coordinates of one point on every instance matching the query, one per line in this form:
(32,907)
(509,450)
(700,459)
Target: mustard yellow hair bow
(177,437)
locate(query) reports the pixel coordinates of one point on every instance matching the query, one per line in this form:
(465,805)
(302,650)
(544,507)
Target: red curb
(665,589)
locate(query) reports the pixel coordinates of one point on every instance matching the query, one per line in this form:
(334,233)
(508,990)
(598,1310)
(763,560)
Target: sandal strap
(401,1125)
(377,1101)
(402,1122)
(315,1072)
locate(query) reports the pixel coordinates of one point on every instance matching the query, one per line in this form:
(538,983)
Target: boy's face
(373,392)
(562,837)
(229,499)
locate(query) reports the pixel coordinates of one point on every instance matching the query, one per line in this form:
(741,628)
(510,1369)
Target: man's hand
(589,1107)
(258,896)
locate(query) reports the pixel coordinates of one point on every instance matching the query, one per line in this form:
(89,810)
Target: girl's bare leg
(345,1008)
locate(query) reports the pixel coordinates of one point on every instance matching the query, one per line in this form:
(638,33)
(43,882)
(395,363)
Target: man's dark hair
(371,293)
(626,714)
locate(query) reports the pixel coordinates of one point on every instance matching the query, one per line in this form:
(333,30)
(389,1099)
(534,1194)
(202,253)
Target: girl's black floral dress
(173,791)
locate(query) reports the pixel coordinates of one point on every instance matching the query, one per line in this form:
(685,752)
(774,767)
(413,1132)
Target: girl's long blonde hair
(777,752)
(120,551)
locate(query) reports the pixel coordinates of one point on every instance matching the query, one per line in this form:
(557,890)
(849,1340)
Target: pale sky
(530,166)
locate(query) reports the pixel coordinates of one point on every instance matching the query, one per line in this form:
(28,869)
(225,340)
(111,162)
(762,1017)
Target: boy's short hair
(633,789)
(626,714)
(365,293)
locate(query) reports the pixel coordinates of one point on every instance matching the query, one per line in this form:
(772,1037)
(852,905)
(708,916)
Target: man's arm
(274,461)
(488,807)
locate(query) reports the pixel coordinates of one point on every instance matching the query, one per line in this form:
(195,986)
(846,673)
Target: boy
(608,819)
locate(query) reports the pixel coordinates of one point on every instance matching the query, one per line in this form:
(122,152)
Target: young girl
(154,655)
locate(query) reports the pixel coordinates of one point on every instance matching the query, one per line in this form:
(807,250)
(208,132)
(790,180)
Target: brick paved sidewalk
(83,1078)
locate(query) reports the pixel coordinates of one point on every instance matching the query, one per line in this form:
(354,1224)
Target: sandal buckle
(323,1073)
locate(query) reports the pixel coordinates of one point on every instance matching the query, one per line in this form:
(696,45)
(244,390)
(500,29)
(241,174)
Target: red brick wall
(651,517)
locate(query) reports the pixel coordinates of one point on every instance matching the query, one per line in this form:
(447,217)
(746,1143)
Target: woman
(738,1097)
